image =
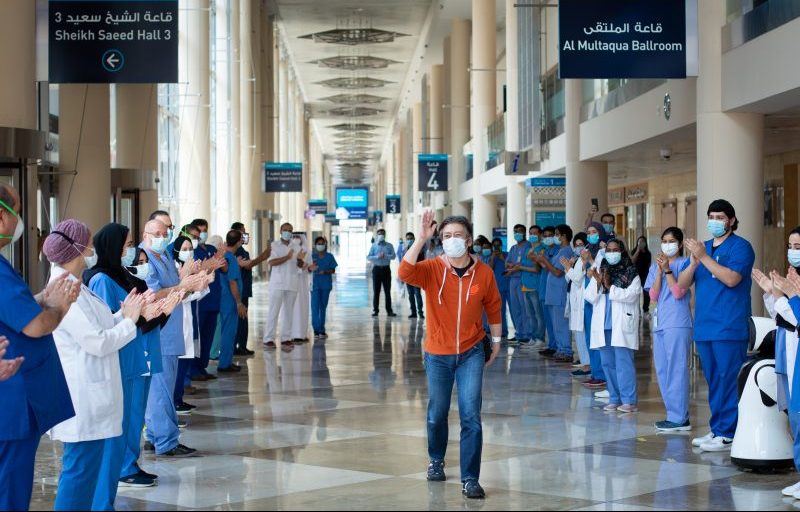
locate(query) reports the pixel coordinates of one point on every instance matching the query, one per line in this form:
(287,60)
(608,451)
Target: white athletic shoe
(718,444)
(602,394)
(791,490)
(697,441)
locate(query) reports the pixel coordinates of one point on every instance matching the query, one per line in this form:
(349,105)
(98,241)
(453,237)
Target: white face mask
(203,237)
(91,261)
(670,249)
(140,271)
(18,231)
(286,235)
(454,247)
(185,256)
(195,243)
(130,253)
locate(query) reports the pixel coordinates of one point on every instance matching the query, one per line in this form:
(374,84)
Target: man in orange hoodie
(458,289)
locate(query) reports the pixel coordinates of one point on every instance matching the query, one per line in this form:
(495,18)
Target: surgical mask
(613,258)
(245,238)
(716,227)
(519,237)
(454,247)
(477,248)
(185,256)
(195,243)
(409,243)
(203,237)
(321,247)
(550,240)
(578,249)
(286,236)
(594,238)
(670,249)
(170,233)
(794,257)
(19,230)
(130,253)
(486,252)
(141,271)
(379,238)
(159,245)
(609,228)
(91,261)
(534,239)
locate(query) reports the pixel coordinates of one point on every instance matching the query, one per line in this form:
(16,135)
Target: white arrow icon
(112,60)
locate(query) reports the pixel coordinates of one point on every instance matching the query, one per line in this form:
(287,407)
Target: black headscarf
(624,272)
(176,247)
(595,248)
(108,244)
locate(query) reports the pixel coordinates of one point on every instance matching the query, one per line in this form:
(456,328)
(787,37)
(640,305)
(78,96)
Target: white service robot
(762,442)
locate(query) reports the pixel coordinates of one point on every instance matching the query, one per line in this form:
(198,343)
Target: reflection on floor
(340,424)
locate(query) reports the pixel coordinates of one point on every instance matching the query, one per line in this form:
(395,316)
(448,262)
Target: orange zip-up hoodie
(454,305)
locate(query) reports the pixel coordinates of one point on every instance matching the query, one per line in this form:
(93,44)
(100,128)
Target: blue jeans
(721,361)
(466,371)
(319,309)
(414,299)
(621,372)
(533,307)
(80,472)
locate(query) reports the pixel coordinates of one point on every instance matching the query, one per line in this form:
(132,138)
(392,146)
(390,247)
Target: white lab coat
(190,343)
(624,316)
(575,275)
(88,340)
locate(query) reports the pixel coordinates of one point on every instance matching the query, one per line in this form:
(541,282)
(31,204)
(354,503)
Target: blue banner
(546,182)
(502,234)
(622,38)
(283,177)
(318,206)
(393,205)
(551,218)
(351,203)
(433,172)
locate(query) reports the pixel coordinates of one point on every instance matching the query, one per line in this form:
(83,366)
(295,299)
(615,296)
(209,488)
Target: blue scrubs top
(517,254)
(210,302)
(227,302)
(132,361)
(725,312)
(672,313)
(609,320)
(37,398)
(326,262)
(164,274)
(556,289)
(246,290)
(499,268)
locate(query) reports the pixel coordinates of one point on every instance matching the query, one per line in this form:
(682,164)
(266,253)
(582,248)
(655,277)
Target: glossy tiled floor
(340,424)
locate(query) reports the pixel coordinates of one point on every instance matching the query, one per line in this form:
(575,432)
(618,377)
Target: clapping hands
(8,367)
(62,292)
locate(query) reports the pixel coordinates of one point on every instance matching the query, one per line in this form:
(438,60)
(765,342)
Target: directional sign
(352,203)
(320,206)
(283,177)
(433,173)
(393,205)
(113,41)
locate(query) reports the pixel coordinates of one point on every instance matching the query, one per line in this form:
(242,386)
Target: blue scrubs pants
(242,328)
(594,354)
(208,326)
(319,307)
(560,330)
(132,432)
(80,473)
(113,455)
(671,357)
(16,472)
(620,372)
(160,415)
(229,324)
(181,379)
(721,361)
(519,317)
(552,339)
(794,419)
(536,314)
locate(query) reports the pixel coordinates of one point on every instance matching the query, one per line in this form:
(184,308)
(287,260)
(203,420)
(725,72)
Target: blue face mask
(594,238)
(409,243)
(549,241)
(519,237)
(613,258)
(127,260)
(578,249)
(794,257)
(159,245)
(716,227)
(609,228)
(476,248)
(534,239)
(486,252)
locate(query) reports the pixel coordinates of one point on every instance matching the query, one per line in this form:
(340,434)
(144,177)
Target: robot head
(762,336)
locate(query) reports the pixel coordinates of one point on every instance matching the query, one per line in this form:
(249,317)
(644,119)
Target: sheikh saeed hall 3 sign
(627,38)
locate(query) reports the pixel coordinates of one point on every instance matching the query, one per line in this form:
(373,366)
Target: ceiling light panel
(355,62)
(354,36)
(354,82)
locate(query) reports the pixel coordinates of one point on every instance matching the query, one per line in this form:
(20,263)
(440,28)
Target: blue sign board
(113,41)
(318,206)
(432,172)
(393,205)
(283,177)
(623,38)
(502,234)
(546,182)
(551,218)
(352,203)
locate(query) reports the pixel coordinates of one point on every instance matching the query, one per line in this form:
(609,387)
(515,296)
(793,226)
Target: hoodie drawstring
(470,284)
(444,278)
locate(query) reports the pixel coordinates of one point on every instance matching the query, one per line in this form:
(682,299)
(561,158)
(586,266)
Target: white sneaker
(791,490)
(718,444)
(602,394)
(697,441)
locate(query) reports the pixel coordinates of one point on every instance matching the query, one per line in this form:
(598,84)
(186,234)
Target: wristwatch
(496,339)
(668,272)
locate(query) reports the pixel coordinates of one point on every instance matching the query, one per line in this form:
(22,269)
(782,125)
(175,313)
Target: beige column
(136,127)
(236,63)
(247,109)
(417,145)
(266,91)
(585,180)
(515,191)
(220,218)
(194,164)
(729,145)
(18,86)
(436,124)
(283,128)
(84,122)
(459,107)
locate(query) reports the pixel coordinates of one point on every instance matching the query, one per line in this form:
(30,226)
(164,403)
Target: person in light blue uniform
(672,330)
(590,257)
(532,288)
(550,249)
(721,271)
(37,397)
(207,308)
(492,254)
(160,416)
(555,297)
(324,265)
(231,306)
(516,302)
(381,255)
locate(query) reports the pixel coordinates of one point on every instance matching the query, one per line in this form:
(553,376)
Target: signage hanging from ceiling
(113,41)
(318,206)
(352,203)
(393,205)
(283,177)
(433,172)
(627,38)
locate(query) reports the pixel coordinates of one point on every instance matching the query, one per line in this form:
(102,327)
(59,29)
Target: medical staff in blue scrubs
(721,272)
(207,308)
(160,417)
(533,288)
(555,297)
(498,264)
(231,306)
(514,262)
(550,249)
(324,266)
(37,398)
(592,257)
(672,330)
